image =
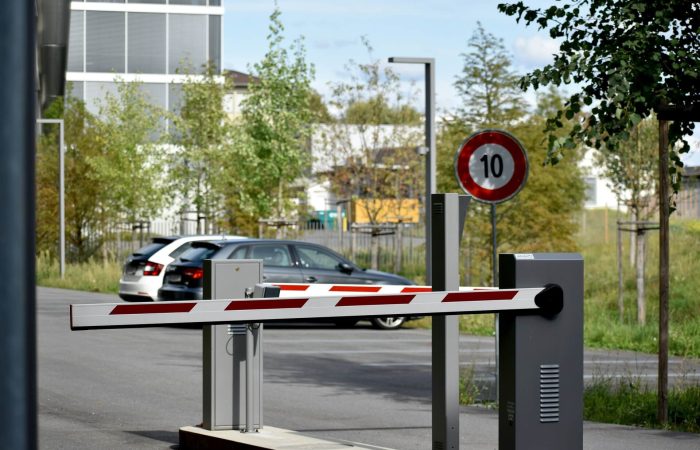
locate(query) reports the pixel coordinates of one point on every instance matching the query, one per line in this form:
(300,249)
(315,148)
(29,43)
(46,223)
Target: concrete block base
(269,438)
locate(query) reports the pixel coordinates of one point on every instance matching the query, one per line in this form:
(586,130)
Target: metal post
(18,413)
(494,282)
(249,383)
(431,156)
(447,222)
(61,192)
(664,283)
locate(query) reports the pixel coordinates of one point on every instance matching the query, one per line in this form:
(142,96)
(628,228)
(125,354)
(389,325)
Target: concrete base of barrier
(269,438)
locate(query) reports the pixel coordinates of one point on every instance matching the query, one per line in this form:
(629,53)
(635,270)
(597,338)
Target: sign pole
(492,167)
(494,268)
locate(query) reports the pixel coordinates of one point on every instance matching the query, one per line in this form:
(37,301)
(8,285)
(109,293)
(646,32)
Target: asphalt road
(133,388)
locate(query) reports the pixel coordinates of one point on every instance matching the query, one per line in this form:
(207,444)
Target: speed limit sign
(491,166)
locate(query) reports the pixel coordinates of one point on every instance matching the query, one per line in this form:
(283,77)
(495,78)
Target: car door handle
(310,279)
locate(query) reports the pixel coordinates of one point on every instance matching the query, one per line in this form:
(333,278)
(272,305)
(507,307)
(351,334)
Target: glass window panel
(95,91)
(160,2)
(315,258)
(146,43)
(105,42)
(75,42)
(215,42)
(189,2)
(174,105)
(214,2)
(188,42)
(276,255)
(155,94)
(107,1)
(74,89)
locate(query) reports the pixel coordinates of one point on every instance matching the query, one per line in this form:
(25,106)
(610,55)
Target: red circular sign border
(507,141)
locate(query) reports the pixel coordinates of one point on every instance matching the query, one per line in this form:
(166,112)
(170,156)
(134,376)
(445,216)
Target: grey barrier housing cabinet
(541,357)
(226,368)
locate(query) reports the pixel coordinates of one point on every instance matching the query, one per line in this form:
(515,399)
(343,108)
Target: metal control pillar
(227,369)
(541,355)
(448,212)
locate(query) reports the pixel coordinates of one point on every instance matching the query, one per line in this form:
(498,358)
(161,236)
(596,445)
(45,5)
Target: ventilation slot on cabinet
(549,393)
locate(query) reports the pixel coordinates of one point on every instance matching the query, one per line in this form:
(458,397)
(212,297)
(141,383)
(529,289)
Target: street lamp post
(430,160)
(61,193)
(445,329)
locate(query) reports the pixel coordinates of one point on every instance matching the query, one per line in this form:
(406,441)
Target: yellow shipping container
(386,210)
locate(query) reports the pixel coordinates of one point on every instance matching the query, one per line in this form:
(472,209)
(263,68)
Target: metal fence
(393,247)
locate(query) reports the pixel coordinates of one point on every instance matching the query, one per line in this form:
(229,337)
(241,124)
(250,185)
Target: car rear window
(175,254)
(149,249)
(198,253)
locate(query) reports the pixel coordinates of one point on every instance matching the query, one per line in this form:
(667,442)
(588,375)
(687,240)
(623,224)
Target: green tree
(632,170)
(487,85)
(131,159)
(319,109)
(86,194)
(628,59)
(201,134)
(369,153)
(541,216)
(276,120)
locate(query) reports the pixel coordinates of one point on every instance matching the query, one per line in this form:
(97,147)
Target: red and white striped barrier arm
(118,315)
(296,289)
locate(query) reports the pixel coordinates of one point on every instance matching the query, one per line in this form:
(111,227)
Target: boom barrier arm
(121,315)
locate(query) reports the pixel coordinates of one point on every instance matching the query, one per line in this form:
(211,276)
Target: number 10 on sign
(491,166)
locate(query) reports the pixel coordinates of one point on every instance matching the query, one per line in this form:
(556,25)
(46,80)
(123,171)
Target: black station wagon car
(283,262)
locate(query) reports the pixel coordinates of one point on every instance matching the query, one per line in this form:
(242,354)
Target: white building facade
(152,41)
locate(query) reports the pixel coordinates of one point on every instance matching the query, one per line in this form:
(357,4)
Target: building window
(74,89)
(189,2)
(146,43)
(75,42)
(215,42)
(105,40)
(95,93)
(591,191)
(187,43)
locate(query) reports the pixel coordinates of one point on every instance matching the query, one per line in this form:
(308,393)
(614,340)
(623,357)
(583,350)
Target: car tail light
(152,269)
(194,273)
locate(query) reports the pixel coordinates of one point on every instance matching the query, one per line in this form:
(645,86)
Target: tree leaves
(627,56)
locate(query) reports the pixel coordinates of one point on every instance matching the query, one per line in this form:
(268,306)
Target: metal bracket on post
(447,213)
(541,354)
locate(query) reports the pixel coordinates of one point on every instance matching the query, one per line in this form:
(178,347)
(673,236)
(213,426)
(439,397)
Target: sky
(332,30)
(440,29)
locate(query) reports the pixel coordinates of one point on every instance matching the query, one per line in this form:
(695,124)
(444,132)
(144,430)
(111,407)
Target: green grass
(603,327)
(91,276)
(630,402)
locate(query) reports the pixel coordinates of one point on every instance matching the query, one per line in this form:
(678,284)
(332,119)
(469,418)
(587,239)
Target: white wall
(598,186)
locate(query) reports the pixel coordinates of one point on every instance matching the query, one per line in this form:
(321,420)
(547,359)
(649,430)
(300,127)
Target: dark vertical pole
(664,212)
(445,333)
(18,420)
(430,161)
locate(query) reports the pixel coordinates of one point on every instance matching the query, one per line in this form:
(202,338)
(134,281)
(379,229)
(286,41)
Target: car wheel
(345,323)
(388,323)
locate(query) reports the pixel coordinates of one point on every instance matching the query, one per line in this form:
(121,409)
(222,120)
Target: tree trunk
(375,252)
(633,238)
(620,282)
(664,212)
(398,236)
(641,302)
